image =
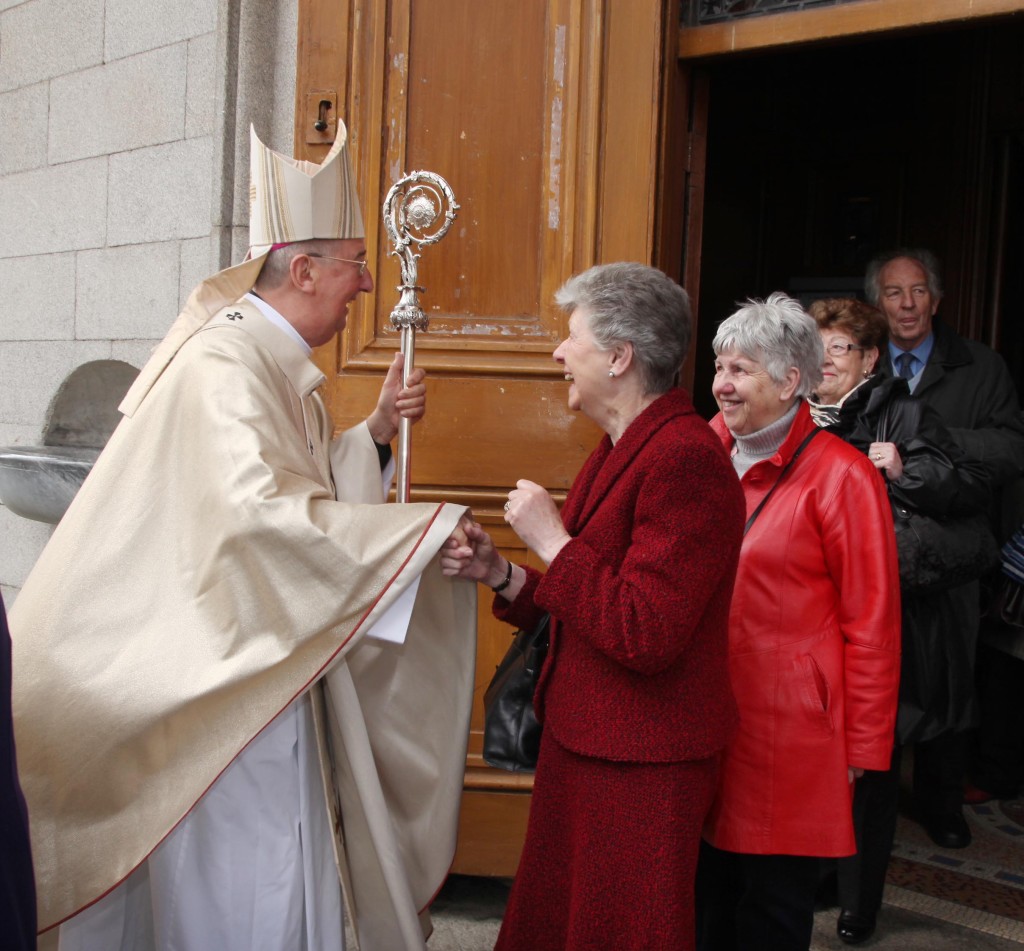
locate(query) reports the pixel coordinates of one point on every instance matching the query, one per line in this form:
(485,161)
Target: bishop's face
(339,277)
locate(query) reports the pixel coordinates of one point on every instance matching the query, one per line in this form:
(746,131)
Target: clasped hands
(532,514)
(469,551)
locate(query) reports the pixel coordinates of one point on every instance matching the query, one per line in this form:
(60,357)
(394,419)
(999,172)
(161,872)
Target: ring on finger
(507,504)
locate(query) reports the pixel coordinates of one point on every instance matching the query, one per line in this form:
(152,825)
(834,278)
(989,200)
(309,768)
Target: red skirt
(610,854)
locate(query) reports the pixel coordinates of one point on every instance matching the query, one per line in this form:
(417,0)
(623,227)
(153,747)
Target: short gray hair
(778,333)
(636,304)
(275,267)
(928,261)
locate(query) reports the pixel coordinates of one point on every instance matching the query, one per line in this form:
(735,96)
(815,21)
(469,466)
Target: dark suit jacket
(638,668)
(968,385)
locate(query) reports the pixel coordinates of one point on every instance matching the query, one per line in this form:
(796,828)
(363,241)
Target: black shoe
(853,928)
(950,830)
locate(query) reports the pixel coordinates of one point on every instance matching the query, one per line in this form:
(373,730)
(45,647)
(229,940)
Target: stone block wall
(123,183)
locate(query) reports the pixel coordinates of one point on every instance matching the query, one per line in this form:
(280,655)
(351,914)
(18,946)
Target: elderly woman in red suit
(814,638)
(634,696)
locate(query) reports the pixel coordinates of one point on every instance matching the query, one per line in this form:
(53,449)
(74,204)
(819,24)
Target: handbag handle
(887,419)
(753,515)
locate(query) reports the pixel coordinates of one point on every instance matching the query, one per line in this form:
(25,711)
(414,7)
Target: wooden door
(544,117)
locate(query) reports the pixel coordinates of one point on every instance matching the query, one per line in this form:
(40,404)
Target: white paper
(393,625)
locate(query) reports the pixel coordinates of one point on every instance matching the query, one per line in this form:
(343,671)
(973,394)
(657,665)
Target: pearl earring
(611,373)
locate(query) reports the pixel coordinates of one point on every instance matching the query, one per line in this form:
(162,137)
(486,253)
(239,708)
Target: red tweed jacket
(638,665)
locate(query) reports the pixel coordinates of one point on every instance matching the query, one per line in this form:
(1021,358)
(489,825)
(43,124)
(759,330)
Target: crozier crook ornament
(419,209)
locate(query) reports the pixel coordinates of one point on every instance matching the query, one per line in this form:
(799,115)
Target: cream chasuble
(219,560)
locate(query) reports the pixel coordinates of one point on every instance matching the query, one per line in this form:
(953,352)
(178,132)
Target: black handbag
(944,552)
(936,552)
(511,730)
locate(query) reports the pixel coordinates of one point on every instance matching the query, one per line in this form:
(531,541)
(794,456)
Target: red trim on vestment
(308,684)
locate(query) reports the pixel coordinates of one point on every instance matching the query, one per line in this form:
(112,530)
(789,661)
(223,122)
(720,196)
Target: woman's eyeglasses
(841,349)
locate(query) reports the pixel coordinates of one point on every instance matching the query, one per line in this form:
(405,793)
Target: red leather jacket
(814,641)
(638,665)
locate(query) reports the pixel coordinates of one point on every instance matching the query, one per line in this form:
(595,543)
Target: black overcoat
(970,390)
(936,692)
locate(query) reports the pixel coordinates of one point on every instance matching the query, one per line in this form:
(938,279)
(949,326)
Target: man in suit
(970,387)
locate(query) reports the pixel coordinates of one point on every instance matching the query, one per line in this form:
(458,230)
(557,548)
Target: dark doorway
(820,157)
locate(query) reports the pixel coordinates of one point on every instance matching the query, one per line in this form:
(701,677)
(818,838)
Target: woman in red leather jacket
(814,639)
(634,695)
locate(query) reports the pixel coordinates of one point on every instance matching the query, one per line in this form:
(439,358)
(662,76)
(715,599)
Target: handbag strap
(900,404)
(753,515)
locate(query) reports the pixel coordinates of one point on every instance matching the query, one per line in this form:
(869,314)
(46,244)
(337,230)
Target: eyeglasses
(362,265)
(841,349)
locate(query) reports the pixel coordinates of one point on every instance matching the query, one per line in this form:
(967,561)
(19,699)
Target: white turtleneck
(754,447)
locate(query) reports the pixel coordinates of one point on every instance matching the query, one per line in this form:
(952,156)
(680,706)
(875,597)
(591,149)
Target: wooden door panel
(446,106)
(481,142)
(483,436)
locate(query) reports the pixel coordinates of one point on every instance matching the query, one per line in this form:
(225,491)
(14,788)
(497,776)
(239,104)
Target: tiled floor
(937,899)
(468,916)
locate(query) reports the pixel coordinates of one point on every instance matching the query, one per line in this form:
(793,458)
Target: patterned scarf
(827,414)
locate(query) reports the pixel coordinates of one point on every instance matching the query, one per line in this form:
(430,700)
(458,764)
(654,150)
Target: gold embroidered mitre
(292,200)
(289,200)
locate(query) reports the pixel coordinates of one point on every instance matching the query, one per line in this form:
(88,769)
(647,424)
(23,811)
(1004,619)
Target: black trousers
(938,790)
(754,902)
(998,764)
(861,877)
(940,770)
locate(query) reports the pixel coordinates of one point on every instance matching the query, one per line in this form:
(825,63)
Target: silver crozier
(412,208)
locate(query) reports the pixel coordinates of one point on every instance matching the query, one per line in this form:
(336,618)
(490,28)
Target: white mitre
(292,200)
(289,200)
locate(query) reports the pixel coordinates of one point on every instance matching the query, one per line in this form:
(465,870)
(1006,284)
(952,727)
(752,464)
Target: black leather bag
(511,730)
(935,552)
(943,553)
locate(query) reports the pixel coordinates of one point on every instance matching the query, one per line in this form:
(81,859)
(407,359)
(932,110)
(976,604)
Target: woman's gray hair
(929,264)
(778,333)
(636,304)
